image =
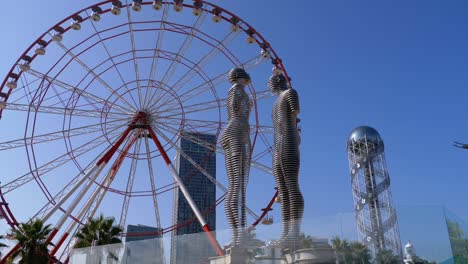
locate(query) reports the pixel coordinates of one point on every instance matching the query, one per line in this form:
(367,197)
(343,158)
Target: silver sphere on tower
(376,218)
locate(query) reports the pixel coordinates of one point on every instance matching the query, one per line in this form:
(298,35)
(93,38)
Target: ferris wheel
(94,112)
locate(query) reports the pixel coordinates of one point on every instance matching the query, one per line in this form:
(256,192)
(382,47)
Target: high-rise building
(142,232)
(144,244)
(189,243)
(376,217)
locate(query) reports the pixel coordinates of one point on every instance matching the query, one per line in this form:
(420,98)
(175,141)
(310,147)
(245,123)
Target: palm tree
(32,238)
(98,232)
(386,256)
(351,252)
(361,253)
(342,250)
(305,241)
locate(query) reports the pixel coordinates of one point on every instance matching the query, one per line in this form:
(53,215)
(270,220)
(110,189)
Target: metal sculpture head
(277,83)
(239,75)
(365,140)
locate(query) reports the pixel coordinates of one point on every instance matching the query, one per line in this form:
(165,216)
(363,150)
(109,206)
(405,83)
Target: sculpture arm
(235,98)
(293,99)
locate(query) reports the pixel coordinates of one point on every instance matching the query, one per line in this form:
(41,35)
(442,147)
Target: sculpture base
(234,255)
(271,255)
(320,253)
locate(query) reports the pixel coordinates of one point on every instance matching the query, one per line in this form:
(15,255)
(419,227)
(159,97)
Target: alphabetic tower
(376,218)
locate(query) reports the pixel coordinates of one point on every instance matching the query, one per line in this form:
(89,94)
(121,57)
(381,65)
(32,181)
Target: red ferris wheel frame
(5,93)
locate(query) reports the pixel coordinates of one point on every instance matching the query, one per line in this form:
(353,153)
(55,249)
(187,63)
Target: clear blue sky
(397,66)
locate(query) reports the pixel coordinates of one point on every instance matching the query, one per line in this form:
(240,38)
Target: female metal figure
(237,151)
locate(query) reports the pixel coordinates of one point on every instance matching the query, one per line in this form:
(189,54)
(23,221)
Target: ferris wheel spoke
(96,76)
(111,174)
(130,182)
(66,191)
(57,162)
(135,60)
(61,111)
(159,41)
(56,96)
(262,132)
(91,98)
(197,68)
(254,162)
(56,103)
(219,149)
(25,87)
(187,77)
(260,95)
(153,185)
(190,160)
(199,123)
(219,79)
(53,136)
(199,107)
(205,106)
(264,129)
(110,57)
(48,206)
(65,255)
(70,241)
(212,83)
(198,167)
(61,100)
(261,154)
(91,176)
(195,123)
(87,211)
(189,109)
(181,53)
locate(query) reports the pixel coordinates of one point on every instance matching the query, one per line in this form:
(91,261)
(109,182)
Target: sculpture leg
(236,144)
(296,200)
(238,197)
(235,200)
(284,196)
(230,203)
(244,172)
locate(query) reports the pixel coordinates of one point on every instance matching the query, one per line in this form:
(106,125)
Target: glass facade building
(458,236)
(143,245)
(203,192)
(142,232)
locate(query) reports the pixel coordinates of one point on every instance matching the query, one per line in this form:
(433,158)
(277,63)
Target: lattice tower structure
(376,217)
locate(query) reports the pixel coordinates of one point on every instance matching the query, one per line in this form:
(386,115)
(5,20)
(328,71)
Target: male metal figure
(286,159)
(237,150)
